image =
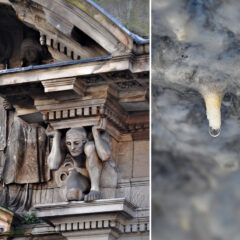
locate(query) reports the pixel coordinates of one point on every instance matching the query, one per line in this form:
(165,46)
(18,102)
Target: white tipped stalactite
(213,102)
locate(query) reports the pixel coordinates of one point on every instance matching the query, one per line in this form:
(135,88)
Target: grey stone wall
(195,177)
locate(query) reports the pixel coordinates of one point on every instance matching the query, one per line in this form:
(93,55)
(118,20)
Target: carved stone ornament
(93,165)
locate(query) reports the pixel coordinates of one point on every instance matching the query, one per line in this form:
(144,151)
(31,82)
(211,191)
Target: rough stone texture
(125,158)
(141,159)
(195,177)
(135,190)
(140,196)
(133,159)
(133,14)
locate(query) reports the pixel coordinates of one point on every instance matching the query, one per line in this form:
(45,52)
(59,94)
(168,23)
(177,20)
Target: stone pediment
(77,29)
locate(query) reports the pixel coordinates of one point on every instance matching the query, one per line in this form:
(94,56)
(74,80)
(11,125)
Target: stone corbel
(89,112)
(63,84)
(84,113)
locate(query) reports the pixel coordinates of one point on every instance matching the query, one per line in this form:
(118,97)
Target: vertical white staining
(213,100)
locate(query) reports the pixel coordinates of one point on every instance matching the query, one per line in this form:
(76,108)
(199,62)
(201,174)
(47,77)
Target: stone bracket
(86,112)
(63,84)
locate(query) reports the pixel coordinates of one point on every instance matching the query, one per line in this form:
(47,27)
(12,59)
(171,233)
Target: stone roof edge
(58,64)
(137,39)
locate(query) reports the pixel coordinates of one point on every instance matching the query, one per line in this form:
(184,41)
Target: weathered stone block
(141,159)
(125,158)
(140,196)
(124,189)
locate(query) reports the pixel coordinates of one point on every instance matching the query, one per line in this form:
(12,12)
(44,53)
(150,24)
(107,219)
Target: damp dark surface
(195,177)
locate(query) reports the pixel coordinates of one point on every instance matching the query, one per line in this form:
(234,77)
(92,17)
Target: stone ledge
(79,208)
(129,182)
(96,220)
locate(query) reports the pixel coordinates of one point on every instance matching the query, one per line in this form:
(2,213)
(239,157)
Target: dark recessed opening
(19,43)
(82,38)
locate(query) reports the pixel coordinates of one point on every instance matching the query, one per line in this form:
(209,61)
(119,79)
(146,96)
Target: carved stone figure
(23,153)
(89,158)
(25,150)
(31,52)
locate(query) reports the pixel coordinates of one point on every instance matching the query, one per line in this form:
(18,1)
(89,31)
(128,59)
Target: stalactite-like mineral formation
(213,100)
(195,58)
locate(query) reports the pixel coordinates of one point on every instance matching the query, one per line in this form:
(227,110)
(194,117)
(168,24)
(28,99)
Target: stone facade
(74,140)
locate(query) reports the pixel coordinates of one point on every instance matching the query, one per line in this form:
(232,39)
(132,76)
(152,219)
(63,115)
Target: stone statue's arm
(56,156)
(102,147)
(7,105)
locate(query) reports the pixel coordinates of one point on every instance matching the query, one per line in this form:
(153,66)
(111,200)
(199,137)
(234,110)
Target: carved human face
(75,140)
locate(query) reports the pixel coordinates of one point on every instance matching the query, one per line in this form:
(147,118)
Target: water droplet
(214,132)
